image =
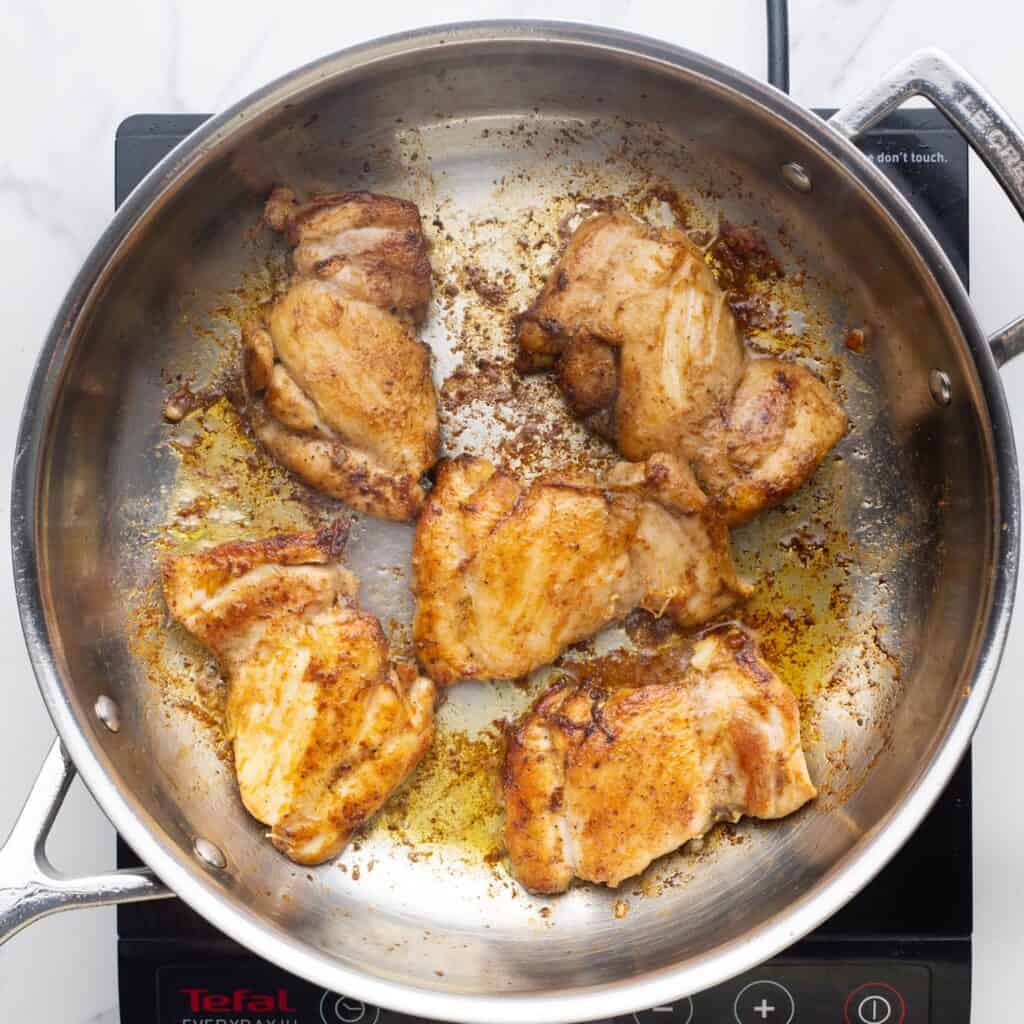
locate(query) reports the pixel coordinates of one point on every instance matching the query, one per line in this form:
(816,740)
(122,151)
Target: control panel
(778,993)
(853,992)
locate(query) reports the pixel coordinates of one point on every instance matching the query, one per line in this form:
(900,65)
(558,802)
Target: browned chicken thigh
(781,424)
(339,387)
(638,755)
(506,576)
(648,354)
(371,246)
(324,727)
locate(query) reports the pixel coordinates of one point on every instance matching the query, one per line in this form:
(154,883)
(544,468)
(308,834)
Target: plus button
(764,1001)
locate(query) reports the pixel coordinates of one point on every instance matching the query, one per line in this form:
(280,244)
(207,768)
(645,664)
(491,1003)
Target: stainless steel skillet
(491,127)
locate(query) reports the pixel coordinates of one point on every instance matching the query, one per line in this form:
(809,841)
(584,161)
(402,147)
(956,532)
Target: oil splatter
(451,799)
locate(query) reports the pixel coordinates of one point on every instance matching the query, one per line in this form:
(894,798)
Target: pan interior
(870,589)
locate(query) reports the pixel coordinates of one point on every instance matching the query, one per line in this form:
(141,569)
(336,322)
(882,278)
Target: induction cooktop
(899,953)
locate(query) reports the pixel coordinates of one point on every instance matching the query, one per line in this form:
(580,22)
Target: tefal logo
(202,1000)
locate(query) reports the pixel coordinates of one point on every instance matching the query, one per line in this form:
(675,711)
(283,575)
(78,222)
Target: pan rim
(200,890)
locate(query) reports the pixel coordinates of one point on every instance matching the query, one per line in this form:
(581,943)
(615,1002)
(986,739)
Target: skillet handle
(30,887)
(989,131)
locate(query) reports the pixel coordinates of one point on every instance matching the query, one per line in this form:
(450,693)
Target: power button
(874,1003)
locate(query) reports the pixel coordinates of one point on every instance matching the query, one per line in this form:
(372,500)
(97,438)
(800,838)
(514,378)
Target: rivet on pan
(942,390)
(796,177)
(209,853)
(108,713)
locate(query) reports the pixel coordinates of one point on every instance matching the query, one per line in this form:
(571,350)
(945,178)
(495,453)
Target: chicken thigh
(648,354)
(638,755)
(506,576)
(324,727)
(339,387)
(781,424)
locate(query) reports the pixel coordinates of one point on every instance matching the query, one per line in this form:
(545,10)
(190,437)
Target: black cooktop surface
(899,952)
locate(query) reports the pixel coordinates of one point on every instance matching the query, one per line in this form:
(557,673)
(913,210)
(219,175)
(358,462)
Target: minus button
(679,1012)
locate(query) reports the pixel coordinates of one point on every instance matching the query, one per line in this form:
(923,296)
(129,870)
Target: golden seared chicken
(781,424)
(506,575)
(324,726)
(339,386)
(648,354)
(638,755)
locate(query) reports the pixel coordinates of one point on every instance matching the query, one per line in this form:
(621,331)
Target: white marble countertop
(72,71)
